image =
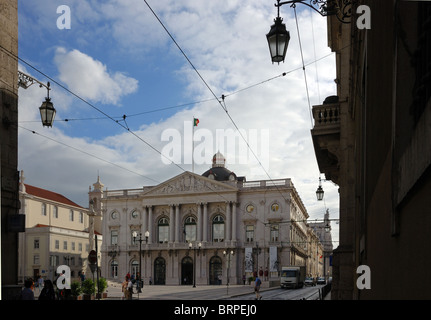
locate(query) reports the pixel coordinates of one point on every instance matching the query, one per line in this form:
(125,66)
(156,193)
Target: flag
(195,122)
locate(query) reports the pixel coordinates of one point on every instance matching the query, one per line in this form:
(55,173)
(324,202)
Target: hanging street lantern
(278,40)
(47,111)
(319,191)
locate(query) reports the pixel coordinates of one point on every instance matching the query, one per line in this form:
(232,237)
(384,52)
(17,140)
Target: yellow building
(57,232)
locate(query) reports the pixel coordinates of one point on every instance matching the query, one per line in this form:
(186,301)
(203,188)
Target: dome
(218,171)
(219,160)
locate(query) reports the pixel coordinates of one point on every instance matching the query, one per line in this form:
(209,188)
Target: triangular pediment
(189,183)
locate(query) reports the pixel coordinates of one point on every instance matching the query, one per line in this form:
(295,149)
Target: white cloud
(90,79)
(226,42)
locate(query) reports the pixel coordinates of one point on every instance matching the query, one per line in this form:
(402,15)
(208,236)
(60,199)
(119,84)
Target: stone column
(144,221)
(234,221)
(205,223)
(177,223)
(199,223)
(228,221)
(150,225)
(171,223)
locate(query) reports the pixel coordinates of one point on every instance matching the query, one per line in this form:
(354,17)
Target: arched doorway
(160,271)
(187,270)
(215,270)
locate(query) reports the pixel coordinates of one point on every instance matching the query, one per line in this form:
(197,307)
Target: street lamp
(47,110)
(229,254)
(135,234)
(278,40)
(278,37)
(194,260)
(319,191)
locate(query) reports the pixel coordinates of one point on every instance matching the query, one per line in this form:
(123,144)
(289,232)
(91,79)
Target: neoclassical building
(57,232)
(204,229)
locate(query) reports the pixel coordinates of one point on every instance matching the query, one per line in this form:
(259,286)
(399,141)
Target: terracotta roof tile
(49,195)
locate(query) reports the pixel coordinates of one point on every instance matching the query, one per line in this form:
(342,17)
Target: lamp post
(319,191)
(278,37)
(47,110)
(228,254)
(135,234)
(194,260)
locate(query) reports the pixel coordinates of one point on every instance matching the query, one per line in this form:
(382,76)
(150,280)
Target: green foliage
(88,286)
(75,287)
(103,284)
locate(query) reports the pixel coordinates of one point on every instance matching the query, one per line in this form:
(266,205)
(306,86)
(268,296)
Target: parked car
(321,280)
(309,281)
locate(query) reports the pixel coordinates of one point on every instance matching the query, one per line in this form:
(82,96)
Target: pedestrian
(130,289)
(151,281)
(40,280)
(82,276)
(257,284)
(27,293)
(48,292)
(243,279)
(124,288)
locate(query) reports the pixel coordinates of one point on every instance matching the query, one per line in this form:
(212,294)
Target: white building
(57,232)
(203,229)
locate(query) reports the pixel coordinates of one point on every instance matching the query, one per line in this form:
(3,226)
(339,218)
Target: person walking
(124,288)
(48,292)
(27,293)
(257,284)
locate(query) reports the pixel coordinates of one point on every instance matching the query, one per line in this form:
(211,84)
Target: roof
(49,195)
(220,173)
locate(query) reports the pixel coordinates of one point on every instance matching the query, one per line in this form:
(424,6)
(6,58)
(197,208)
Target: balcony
(326,137)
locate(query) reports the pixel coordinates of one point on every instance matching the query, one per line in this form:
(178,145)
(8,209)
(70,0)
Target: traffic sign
(92,257)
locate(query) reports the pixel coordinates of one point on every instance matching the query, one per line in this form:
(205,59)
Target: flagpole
(193,145)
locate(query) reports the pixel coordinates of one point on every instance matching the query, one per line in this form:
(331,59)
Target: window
(114,269)
(44,209)
(114,237)
(134,214)
(135,267)
(73,246)
(64,245)
(190,229)
(218,229)
(80,247)
(275,207)
(163,230)
(249,233)
(54,260)
(71,215)
(57,244)
(274,233)
(250,208)
(36,244)
(81,217)
(55,212)
(36,259)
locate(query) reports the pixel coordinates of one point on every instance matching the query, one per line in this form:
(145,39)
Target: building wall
(44,226)
(256,204)
(8,142)
(384,155)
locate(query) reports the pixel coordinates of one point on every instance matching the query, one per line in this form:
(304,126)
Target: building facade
(57,232)
(203,229)
(372,138)
(10,226)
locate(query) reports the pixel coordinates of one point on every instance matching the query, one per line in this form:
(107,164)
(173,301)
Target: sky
(128,77)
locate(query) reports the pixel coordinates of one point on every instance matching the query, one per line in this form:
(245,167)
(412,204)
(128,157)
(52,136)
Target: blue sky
(118,58)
